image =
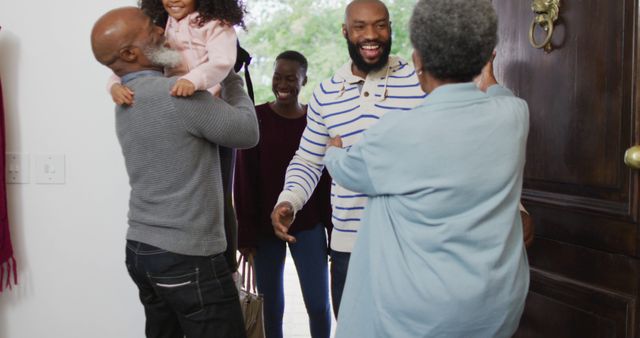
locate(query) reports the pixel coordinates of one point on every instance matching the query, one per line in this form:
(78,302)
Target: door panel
(584,229)
(583,265)
(579,96)
(596,313)
(583,199)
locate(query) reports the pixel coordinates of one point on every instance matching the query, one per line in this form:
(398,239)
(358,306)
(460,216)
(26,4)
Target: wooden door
(583,199)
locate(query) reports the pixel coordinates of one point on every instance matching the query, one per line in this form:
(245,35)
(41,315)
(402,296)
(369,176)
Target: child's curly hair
(230,12)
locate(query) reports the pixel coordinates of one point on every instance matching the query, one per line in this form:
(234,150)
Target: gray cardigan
(171,151)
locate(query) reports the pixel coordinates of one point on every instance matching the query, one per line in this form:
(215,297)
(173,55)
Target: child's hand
(121,94)
(183,87)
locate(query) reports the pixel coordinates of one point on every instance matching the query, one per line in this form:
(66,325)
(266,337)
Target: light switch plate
(50,169)
(17,168)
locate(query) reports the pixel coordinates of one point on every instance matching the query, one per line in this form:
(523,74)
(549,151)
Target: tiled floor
(296,322)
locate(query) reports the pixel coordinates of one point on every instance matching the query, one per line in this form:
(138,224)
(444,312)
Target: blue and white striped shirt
(340,107)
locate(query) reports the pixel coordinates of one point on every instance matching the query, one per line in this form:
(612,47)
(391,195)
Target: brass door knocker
(546,13)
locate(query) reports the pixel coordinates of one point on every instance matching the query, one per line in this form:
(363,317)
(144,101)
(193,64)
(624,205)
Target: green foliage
(313,28)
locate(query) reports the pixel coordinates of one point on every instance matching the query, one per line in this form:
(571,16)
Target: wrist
(290,197)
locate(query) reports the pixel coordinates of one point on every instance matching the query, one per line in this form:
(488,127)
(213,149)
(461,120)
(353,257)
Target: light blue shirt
(440,252)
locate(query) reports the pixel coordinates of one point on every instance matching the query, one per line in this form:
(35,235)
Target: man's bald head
(367,30)
(115,30)
(127,41)
(355,4)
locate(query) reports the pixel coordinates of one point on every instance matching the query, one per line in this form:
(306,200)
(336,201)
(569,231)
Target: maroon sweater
(259,179)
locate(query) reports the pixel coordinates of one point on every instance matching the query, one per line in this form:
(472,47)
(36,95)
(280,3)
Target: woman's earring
(419,72)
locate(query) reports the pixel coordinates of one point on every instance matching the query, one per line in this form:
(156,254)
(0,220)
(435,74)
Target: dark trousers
(192,296)
(339,267)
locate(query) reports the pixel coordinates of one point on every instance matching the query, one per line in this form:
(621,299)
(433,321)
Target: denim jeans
(339,267)
(192,296)
(310,257)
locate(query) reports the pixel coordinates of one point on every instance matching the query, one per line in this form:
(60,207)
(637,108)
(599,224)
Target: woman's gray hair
(455,38)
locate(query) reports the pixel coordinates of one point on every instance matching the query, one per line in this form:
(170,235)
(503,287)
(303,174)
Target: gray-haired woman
(440,252)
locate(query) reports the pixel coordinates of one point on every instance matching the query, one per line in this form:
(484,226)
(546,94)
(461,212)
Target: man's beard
(163,56)
(358,60)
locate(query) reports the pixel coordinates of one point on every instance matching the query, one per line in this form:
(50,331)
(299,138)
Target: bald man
(176,237)
(361,92)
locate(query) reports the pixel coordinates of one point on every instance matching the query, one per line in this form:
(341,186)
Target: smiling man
(371,84)
(176,237)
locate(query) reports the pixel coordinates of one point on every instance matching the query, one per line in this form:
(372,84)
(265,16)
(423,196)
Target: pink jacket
(208,52)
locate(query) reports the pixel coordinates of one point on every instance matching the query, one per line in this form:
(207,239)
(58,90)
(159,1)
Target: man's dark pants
(192,296)
(339,267)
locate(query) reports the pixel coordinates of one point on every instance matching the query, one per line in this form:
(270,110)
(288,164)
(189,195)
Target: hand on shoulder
(486,78)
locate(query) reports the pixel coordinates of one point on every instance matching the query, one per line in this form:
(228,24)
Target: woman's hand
(486,78)
(247,252)
(335,142)
(528,231)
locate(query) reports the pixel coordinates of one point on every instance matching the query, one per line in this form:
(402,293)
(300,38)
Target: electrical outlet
(17,168)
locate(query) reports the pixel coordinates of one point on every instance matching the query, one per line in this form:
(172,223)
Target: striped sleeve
(305,169)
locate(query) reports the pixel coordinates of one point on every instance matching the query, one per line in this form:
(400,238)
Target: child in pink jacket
(202,31)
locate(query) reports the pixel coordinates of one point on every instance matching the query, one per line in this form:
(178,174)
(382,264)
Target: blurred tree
(313,28)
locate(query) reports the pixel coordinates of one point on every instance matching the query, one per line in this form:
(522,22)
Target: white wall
(69,239)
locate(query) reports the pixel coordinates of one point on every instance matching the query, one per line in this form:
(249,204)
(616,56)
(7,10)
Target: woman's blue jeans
(310,257)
